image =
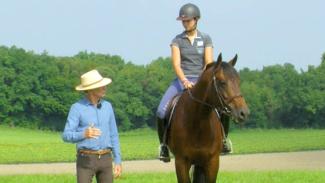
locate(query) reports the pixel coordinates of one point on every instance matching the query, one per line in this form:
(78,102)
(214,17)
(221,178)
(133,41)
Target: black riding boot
(227,145)
(162,133)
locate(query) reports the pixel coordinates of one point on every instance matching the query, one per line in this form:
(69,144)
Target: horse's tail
(198,175)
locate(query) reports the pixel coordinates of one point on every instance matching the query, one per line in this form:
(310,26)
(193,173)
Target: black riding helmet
(189,11)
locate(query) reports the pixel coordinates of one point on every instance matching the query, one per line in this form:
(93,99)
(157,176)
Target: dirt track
(309,160)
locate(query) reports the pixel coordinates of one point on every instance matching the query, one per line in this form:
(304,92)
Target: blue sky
(261,32)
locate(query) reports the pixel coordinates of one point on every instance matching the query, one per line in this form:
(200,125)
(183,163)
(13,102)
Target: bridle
(224,103)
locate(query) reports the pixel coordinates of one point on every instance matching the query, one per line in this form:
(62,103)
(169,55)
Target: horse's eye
(223,83)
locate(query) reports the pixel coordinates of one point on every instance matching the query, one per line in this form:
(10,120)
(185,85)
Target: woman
(191,51)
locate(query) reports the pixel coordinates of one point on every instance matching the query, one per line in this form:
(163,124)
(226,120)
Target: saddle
(169,114)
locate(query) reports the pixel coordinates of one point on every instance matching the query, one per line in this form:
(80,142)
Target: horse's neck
(202,118)
(200,92)
(200,103)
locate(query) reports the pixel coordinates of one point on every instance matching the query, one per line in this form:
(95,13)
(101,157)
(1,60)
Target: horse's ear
(219,61)
(215,65)
(233,61)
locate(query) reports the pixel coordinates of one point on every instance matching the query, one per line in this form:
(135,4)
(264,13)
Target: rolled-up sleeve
(175,42)
(70,133)
(114,138)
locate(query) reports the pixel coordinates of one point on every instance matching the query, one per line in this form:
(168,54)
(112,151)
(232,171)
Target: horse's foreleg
(182,170)
(198,175)
(211,170)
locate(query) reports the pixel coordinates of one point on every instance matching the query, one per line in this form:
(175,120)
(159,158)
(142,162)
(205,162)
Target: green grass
(229,177)
(19,145)
(283,140)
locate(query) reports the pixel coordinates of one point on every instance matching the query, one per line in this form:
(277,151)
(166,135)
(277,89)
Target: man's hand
(117,170)
(92,132)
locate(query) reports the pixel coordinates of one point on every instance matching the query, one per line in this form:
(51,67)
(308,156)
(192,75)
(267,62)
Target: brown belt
(99,152)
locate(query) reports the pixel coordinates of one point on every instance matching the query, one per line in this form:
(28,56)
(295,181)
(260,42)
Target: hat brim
(184,18)
(103,82)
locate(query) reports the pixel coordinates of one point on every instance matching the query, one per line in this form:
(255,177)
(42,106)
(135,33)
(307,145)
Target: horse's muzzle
(241,114)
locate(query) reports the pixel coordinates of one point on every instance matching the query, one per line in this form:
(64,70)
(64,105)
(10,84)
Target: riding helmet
(189,11)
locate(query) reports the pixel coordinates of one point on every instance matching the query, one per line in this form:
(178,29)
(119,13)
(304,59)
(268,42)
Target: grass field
(229,177)
(19,145)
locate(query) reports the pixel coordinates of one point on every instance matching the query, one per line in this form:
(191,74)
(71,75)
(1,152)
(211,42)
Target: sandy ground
(308,160)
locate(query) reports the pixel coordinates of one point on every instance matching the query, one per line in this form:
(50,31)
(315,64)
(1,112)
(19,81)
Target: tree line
(37,90)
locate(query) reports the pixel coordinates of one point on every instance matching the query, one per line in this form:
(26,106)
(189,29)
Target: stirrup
(164,153)
(227,147)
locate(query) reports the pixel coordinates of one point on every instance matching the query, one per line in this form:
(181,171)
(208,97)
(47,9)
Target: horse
(196,132)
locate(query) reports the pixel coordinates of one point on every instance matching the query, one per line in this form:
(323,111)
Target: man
(91,124)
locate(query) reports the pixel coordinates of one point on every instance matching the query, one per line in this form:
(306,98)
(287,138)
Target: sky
(261,32)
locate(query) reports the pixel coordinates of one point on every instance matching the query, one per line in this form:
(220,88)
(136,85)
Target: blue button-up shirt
(84,114)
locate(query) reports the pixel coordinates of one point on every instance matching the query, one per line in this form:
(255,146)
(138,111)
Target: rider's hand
(187,84)
(92,132)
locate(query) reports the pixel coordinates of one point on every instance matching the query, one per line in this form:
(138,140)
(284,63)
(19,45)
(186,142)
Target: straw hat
(91,80)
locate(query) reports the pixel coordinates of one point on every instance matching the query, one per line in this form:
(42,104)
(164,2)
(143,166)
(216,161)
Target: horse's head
(225,86)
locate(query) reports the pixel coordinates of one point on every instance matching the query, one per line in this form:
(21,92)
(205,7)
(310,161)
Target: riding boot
(227,144)
(162,133)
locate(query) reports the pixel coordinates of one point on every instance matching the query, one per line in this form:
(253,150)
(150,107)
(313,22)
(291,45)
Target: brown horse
(196,132)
